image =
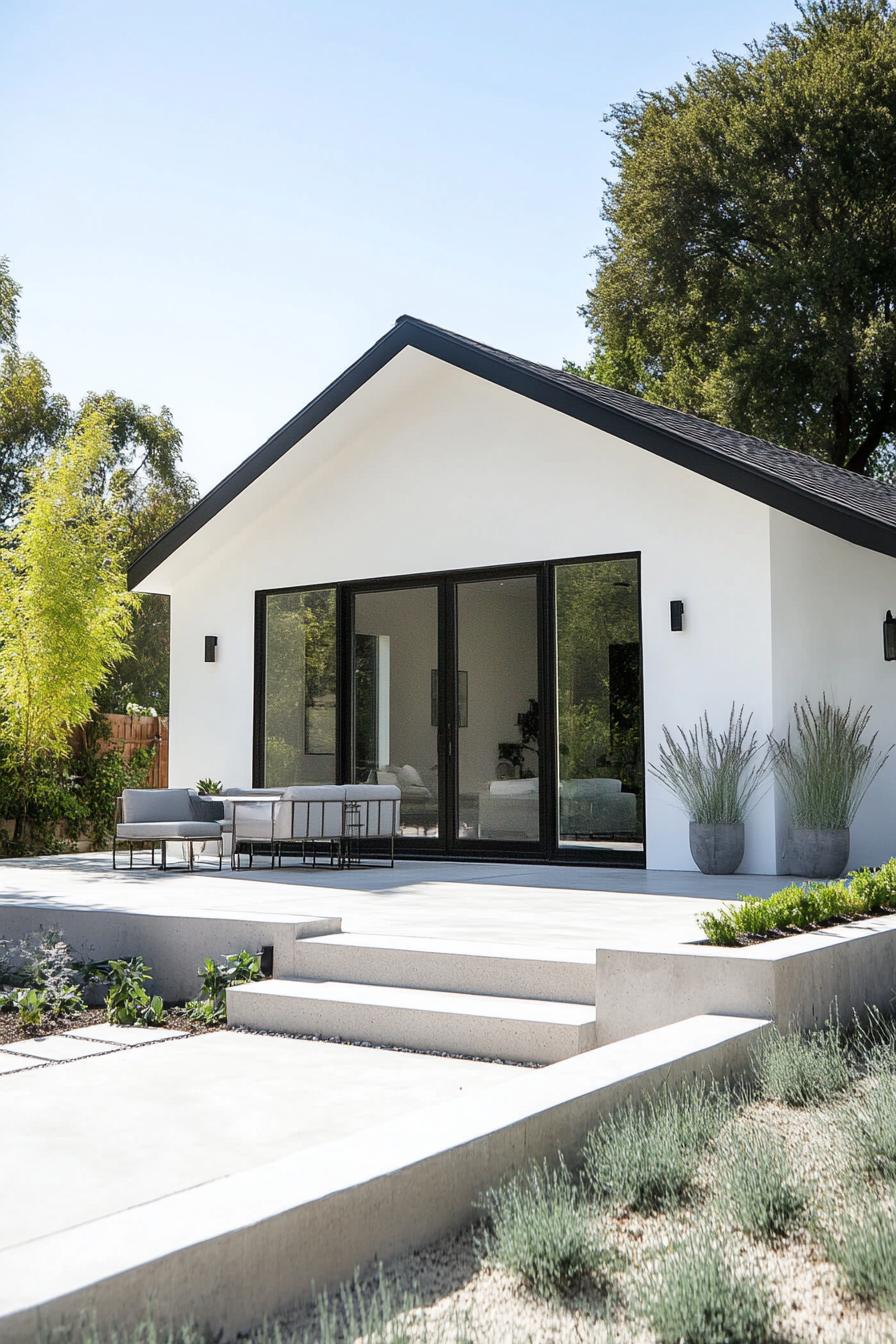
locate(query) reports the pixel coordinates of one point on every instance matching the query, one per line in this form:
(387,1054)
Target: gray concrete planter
(717,849)
(818,853)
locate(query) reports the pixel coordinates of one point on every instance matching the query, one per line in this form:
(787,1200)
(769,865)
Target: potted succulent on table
(825,766)
(716,777)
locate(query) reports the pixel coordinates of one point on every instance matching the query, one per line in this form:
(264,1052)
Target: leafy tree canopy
(65,612)
(138,472)
(749,271)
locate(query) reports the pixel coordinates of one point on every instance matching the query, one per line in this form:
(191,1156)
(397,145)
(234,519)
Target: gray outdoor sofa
(304,821)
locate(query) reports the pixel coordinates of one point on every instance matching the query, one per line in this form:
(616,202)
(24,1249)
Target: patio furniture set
(331,823)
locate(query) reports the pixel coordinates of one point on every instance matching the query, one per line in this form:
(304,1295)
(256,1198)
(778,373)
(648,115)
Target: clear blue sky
(219,205)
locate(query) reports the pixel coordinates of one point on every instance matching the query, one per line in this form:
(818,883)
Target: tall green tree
(140,475)
(749,270)
(65,612)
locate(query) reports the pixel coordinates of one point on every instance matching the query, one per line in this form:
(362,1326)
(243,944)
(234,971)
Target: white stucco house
(493,583)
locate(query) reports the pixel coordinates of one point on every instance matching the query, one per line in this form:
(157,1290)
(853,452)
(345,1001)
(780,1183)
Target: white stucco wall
(429,468)
(829,599)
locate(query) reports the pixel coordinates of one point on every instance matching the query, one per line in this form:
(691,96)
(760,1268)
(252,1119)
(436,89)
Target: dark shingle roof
(853,507)
(836,486)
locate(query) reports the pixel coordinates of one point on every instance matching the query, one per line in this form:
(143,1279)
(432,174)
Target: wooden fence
(129,732)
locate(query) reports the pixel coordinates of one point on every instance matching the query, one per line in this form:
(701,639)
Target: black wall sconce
(676,615)
(211,646)
(889,638)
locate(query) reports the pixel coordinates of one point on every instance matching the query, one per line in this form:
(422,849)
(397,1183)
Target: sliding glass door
(496,712)
(298,688)
(506,705)
(394,700)
(600,767)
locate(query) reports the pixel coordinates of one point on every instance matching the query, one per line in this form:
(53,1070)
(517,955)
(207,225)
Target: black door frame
(547,848)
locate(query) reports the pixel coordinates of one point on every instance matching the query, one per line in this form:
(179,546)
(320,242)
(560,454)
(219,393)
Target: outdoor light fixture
(676,615)
(889,638)
(211,645)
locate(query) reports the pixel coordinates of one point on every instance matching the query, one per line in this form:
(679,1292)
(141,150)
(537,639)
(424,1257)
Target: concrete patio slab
(525,904)
(202,1108)
(115,1035)
(57,1049)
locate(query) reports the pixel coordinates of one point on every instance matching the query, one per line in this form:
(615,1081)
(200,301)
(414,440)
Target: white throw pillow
(408,778)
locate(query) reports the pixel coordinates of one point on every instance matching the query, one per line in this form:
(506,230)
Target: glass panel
(497,710)
(396,736)
(300,688)
(599,706)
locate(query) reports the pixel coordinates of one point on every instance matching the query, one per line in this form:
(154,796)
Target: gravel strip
(395,1049)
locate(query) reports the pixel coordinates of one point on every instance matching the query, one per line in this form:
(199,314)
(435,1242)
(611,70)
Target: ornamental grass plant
(802,1070)
(540,1229)
(872,1128)
(825,765)
(698,1293)
(715,776)
(644,1156)
(864,1249)
(760,1190)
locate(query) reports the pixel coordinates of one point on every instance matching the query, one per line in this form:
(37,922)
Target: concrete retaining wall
(795,981)
(174,945)
(253,1244)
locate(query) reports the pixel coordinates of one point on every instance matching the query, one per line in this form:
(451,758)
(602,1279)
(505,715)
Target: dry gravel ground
(466,1299)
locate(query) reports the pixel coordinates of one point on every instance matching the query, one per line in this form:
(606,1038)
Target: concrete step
(524,1030)
(501,969)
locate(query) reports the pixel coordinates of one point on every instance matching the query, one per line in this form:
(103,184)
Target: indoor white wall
(429,468)
(829,599)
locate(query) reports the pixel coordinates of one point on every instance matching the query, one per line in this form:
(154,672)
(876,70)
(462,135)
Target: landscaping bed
(802,908)
(44,990)
(175,1018)
(700,1216)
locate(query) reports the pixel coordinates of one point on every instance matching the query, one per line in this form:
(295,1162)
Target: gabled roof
(853,507)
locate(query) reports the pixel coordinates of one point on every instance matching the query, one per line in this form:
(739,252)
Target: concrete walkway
(527,904)
(121,1129)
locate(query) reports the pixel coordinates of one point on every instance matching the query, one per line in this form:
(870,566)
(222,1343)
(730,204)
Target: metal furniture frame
(342,850)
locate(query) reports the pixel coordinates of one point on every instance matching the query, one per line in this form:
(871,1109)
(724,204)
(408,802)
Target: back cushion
(156,805)
(514,788)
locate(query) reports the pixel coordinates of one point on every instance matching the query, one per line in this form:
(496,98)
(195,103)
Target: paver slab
(15,1063)
(115,1035)
(58,1048)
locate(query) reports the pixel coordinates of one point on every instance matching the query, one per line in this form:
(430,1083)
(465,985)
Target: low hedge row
(799,907)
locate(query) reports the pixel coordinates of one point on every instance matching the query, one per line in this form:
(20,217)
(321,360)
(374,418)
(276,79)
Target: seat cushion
(168,830)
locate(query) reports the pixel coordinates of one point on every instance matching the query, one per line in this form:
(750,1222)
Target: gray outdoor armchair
(158,817)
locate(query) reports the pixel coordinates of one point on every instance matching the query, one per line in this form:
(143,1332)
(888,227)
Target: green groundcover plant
(39,979)
(240,968)
(127,1001)
(802,906)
